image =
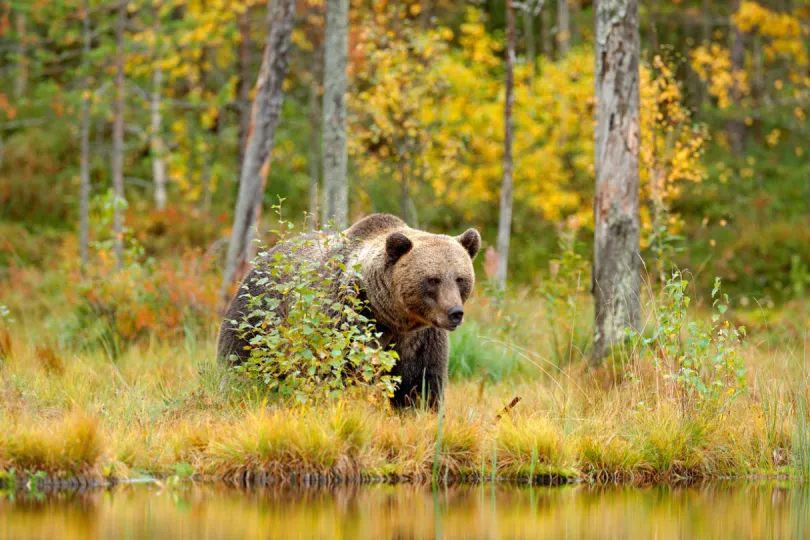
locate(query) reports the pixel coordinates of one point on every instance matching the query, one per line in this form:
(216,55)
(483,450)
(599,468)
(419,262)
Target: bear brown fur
(415,284)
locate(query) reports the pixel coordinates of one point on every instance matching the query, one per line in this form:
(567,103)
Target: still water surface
(732,510)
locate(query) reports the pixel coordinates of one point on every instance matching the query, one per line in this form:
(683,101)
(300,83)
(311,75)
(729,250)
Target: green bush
(309,333)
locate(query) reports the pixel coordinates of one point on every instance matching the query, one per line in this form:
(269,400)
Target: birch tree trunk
(118,133)
(264,121)
(314,154)
(158,148)
(616,208)
(335,183)
(21,82)
(244,84)
(563,27)
(505,216)
(84,166)
(736,126)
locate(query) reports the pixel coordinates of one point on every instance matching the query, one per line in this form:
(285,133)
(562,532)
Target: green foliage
(310,338)
(475,356)
(799,276)
(561,295)
(701,357)
(801,436)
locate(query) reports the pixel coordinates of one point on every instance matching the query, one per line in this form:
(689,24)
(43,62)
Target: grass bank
(156,410)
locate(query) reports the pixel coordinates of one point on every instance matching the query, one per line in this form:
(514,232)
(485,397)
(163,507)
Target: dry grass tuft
(50,360)
(66,446)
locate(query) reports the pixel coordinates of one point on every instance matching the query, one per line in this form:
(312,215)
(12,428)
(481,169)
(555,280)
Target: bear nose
(455,315)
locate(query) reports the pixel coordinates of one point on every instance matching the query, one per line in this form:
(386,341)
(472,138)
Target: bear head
(431,276)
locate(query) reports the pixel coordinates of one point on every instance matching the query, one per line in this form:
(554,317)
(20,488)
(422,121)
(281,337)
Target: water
(748,510)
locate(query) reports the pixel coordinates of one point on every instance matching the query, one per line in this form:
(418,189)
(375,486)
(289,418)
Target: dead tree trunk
(263,124)
(158,148)
(616,206)
(335,183)
(736,126)
(118,134)
(505,216)
(84,175)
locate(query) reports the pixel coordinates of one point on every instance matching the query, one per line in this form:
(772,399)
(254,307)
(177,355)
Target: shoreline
(33,484)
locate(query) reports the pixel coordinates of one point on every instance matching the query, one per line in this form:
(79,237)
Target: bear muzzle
(455,316)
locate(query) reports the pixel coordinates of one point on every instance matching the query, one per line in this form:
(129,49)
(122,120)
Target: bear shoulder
(374,225)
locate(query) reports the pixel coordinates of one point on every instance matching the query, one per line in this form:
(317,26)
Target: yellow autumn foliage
(440,110)
(782,30)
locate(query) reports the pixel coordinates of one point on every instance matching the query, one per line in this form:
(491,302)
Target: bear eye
(460,281)
(434,281)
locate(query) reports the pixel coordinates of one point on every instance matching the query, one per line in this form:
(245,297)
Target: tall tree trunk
(563,27)
(424,15)
(706,22)
(572,23)
(244,83)
(314,156)
(264,121)
(118,133)
(705,40)
(758,88)
(84,175)
(404,193)
(210,158)
(616,207)
(736,125)
(545,31)
(158,149)
(505,216)
(21,82)
(335,182)
(531,48)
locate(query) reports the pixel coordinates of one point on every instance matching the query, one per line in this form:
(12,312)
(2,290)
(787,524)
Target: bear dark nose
(455,315)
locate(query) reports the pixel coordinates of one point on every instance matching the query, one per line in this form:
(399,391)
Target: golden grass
(159,405)
(67,445)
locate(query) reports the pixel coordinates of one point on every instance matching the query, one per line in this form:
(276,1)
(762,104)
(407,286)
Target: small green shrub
(561,294)
(309,333)
(701,357)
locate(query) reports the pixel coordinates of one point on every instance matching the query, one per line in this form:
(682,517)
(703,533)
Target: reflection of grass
(159,406)
(714,510)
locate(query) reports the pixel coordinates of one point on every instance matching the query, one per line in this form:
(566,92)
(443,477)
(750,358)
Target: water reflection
(718,510)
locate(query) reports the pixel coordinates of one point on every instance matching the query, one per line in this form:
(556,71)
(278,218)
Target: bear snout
(455,316)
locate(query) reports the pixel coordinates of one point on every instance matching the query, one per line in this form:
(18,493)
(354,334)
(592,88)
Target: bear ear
(396,245)
(471,241)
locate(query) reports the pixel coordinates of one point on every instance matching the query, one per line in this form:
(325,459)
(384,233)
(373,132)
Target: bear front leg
(422,367)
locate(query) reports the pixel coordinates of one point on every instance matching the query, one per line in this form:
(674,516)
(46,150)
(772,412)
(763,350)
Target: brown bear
(415,284)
